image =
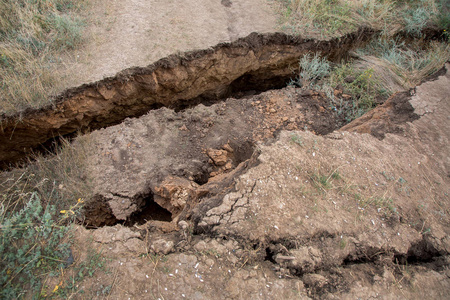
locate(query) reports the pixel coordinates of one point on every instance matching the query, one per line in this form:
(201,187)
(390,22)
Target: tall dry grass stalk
(57,179)
(399,66)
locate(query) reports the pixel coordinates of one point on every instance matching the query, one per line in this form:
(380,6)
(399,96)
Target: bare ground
(259,212)
(123,34)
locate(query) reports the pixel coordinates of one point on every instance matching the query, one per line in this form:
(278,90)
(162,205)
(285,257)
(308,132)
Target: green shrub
(416,19)
(31,246)
(312,68)
(362,89)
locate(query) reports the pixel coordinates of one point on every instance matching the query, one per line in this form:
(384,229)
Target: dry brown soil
(258,198)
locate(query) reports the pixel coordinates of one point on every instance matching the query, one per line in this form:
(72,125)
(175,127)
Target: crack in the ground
(252,63)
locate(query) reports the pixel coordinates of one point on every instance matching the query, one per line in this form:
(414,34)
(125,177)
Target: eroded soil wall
(258,61)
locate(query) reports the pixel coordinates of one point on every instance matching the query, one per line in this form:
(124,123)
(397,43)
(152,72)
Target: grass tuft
(410,63)
(34,35)
(331,18)
(312,68)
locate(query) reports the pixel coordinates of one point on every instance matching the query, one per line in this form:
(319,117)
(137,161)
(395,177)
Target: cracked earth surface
(298,215)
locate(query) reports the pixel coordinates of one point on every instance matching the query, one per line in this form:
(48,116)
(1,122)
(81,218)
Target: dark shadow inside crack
(151,211)
(98,213)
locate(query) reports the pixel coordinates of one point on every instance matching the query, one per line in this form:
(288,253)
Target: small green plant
(342,244)
(387,177)
(213,252)
(324,181)
(312,68)
(416,19)
(297,139)
(336,175)
(359,90)
(383,204)
(94,262)
(31,246)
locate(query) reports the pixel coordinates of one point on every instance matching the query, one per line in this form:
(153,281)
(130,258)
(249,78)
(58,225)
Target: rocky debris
(148,161)
(223,159)
(218,157)
(175,192)
(111,234)
(314,280)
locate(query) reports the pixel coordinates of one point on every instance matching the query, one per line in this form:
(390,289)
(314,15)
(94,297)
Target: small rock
(209,262)
(200,246)
(233,259)
(306,93)
(315,280)
(162,246)
(228,165)
(183,225)
(228,148)
(219,157)
(183,128)
(272,110)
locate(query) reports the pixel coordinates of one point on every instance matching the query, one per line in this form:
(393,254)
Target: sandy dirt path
(126,33)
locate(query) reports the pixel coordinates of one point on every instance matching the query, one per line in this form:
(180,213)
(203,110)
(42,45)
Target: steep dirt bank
(257,62)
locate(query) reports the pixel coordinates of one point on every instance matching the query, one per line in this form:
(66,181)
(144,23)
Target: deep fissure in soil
(258,62)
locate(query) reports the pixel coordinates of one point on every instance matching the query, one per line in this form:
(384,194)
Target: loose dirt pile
(260,212)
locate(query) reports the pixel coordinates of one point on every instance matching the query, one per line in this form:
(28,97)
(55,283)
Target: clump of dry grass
(329,18)
(58,179)
(399,66)
(33,37)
